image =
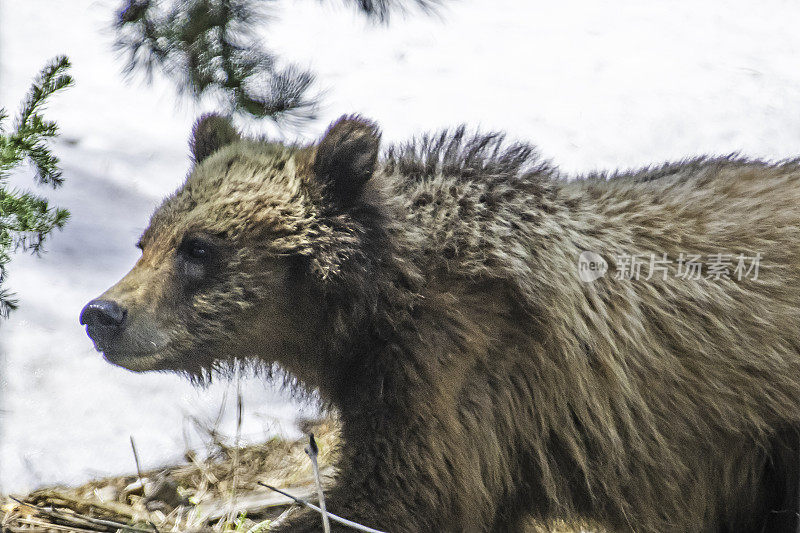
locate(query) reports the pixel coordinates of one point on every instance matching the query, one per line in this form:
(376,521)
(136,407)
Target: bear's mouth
(142,361)
(136,362)
(122,351)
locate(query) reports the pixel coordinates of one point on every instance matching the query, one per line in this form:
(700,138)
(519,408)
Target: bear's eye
(197,259)
(197,250)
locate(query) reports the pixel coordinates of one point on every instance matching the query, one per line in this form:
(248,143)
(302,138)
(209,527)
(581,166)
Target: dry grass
(218,493)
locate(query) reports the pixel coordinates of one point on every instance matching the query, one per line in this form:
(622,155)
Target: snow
(595,85)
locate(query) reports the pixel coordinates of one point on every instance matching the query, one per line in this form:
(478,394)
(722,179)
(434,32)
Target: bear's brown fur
(433,297)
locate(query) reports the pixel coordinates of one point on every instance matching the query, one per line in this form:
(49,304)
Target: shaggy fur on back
(657,405)
(480,382)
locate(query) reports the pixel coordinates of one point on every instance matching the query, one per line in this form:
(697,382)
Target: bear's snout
(103,319)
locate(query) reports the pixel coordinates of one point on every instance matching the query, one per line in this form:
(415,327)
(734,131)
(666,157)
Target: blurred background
(595,85)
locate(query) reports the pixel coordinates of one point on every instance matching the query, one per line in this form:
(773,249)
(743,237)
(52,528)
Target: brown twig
(335,518)
(235,461)
(138,466)
(76,517)
(141,479)
(313,451)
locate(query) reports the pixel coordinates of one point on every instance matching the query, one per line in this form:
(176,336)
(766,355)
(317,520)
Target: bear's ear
(346,157)
(210,133)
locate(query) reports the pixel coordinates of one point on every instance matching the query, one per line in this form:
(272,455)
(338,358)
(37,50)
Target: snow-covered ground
(594,84)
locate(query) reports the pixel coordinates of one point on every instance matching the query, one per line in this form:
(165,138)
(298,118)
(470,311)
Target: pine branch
(381,10)
(210,47)
(7,302)
(26,219)
(32,131)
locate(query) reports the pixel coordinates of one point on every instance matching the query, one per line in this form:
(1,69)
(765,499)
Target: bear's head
(240,261)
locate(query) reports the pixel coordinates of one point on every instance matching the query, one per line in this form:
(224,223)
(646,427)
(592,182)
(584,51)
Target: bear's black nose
(103,319)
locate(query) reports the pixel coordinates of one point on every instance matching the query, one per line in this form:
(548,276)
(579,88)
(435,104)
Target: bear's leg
(773,506)
(782,485)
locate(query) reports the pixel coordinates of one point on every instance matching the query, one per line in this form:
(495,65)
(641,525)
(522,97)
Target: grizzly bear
(502,343)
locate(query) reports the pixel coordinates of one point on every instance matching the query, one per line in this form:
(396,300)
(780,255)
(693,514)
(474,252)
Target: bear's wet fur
(432,296)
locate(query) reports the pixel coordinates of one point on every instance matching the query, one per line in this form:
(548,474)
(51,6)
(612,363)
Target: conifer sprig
(210,46)
(26,219)
(29,139)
